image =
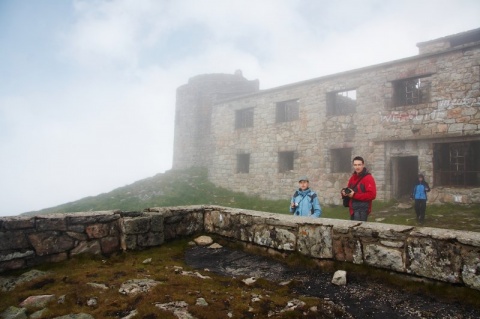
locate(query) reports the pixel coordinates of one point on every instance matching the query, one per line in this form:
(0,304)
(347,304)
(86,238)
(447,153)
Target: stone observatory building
(420,114)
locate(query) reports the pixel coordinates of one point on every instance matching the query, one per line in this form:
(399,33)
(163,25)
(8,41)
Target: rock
(215,246)
(203,240)
(132,314)
(147,261)
(92,302)
(404,206)
(195,274)
(76,316)
(38,314)
(340,278)
(179,309)
(249,281)
(135,286)
(293,304)
(37,302)
(14,313)
(97,286)
(201,302)
(9,283)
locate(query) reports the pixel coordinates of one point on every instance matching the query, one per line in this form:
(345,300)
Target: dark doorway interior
(405,172)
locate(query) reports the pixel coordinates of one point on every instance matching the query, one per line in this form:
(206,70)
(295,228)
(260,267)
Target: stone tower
(192,141)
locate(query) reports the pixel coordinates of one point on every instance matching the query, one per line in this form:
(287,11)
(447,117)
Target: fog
(87,88)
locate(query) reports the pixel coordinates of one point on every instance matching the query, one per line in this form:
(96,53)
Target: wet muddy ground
(361,298)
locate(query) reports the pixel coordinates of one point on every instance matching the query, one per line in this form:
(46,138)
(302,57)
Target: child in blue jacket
(419,194)
(304,201)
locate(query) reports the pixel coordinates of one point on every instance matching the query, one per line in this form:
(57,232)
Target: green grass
(192,187)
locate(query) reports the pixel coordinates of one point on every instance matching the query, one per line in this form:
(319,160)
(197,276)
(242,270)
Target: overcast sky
(87,88)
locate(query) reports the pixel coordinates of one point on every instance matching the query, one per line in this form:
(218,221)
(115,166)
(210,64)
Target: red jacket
(365,191)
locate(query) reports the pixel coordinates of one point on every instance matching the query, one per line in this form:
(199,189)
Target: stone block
(13,240)
(12,264)
(315,241)
(384,257)
(97,230)
(110,244)
(15,223)
(16,255)
(51,223)
(50,242)
(150,239)
(90,247)
(278,238)
(156,223)
(436,259)
(130,242)
(343,248)
(137,225)
(471,268)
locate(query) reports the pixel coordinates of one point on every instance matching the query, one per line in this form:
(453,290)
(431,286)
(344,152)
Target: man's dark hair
(358,158)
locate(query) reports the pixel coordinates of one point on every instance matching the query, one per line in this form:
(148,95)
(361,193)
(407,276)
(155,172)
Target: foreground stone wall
(439,254)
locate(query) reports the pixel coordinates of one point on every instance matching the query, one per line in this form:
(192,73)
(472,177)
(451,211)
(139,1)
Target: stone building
(417,114)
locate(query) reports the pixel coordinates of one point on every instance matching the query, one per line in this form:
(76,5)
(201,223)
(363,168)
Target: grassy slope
(191,187)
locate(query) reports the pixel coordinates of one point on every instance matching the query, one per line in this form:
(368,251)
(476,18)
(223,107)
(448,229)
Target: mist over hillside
(172,188)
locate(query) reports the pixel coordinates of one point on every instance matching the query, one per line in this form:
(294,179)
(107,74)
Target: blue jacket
(307,204)
(420,190)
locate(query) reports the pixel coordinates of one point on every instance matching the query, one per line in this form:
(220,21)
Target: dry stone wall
(445,255)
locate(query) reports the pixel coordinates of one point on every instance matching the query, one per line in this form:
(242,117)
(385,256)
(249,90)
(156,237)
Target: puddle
(361,297)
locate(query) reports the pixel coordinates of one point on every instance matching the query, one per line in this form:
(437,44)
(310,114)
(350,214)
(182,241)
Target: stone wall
(445,255)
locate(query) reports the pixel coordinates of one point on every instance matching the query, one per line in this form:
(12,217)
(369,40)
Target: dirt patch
(360,298)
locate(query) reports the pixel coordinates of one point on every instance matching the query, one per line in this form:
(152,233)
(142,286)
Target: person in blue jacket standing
(304,201)
(419,194)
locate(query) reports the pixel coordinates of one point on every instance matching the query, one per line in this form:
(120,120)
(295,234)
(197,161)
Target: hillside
(172,188)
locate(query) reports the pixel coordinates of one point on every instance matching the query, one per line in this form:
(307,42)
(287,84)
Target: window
(244,118)
(341,103)
(285,161)
(411,91)
(341,160)
(287,111)
(457,164)
(243,163)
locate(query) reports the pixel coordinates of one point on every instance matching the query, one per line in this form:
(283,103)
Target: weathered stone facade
(444,255)
(193,142)
(418,114)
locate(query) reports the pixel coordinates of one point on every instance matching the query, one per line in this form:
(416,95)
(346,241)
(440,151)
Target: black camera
(347,190)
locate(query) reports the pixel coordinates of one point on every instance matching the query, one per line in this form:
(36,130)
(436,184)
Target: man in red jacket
(361,189)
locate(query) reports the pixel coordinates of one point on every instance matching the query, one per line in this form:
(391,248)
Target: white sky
(87,88)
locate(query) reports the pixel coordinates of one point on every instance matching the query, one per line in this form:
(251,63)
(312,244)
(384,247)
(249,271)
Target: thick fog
(87,88)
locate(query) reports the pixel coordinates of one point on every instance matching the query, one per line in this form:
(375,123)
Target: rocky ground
(361,298)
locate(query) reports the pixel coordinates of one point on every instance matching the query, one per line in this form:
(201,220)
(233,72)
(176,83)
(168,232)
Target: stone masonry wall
(445,255)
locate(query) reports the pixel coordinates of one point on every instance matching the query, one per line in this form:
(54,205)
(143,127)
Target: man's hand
(351,194)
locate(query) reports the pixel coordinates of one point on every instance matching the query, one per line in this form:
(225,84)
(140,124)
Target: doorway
(404,175)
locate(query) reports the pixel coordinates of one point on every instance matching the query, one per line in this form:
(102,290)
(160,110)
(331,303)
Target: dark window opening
(411,91)
(457,164)
(244,118)
(341,160)
(285,161)
(341,103)
(287,111)
(243,163)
